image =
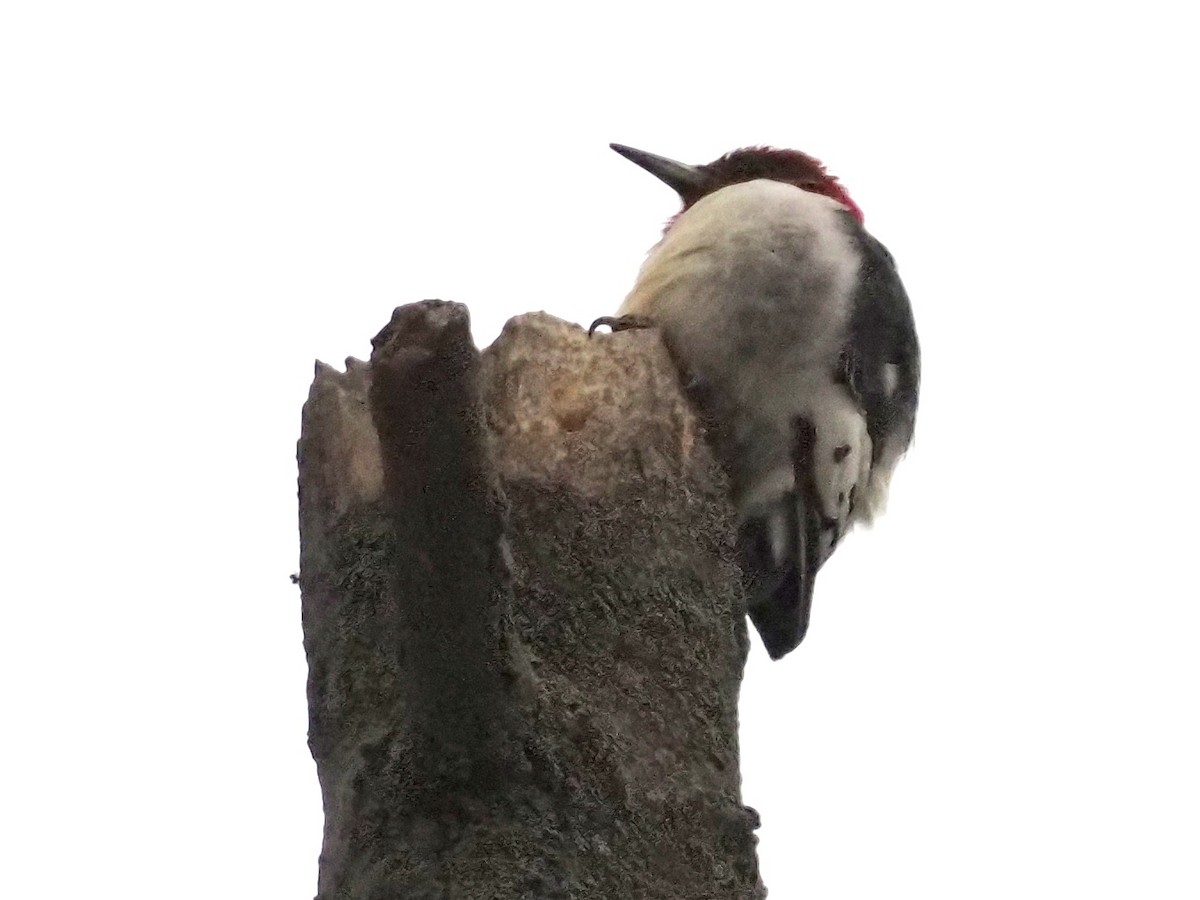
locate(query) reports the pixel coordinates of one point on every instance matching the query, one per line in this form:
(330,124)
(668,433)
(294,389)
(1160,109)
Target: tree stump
(524,621)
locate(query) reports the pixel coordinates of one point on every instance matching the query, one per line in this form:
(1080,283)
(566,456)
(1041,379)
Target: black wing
(882,356)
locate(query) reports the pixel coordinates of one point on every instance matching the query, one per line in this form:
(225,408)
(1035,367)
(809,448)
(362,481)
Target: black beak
(690,182)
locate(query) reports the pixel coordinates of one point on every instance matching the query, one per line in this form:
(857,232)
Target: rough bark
(523,619)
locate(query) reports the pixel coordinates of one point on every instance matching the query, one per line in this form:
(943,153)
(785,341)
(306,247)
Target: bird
(795,336)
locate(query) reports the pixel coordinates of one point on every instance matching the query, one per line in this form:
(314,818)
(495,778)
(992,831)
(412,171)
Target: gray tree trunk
(523,619)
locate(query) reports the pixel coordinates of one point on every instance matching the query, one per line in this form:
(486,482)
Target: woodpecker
(797,338)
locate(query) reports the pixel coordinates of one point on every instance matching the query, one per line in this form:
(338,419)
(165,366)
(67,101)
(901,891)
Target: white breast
(756,272)
(752,288)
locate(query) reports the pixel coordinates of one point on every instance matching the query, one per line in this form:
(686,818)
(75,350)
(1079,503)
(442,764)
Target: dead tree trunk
(523,620)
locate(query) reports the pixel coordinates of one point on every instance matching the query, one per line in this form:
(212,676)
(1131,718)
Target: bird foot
(698,389)
(621,323)
(699,392)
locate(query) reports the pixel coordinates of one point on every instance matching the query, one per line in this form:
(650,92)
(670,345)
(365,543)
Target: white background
(998,696)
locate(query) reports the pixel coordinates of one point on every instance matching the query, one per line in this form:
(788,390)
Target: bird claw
(621,323)
(699,392)
(698,389)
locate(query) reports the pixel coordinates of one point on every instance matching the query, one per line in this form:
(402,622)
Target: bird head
(748,164)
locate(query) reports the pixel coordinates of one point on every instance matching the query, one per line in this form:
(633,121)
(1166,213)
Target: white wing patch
(891,378)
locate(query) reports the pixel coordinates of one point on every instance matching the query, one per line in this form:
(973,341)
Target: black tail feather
(780,591)
(782,619)
(781,584)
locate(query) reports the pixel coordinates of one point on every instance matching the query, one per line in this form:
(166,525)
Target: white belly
(752,289)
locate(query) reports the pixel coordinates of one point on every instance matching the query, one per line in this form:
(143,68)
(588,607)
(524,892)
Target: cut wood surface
(523,618)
